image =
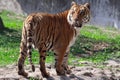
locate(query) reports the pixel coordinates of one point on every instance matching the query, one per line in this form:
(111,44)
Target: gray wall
(103,12)
(51,6)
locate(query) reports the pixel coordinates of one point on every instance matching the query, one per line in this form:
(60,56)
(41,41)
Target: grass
(101,43)
(11,20)
(10,37)
(94,44)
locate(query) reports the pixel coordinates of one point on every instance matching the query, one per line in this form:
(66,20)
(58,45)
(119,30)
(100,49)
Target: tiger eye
(73,12)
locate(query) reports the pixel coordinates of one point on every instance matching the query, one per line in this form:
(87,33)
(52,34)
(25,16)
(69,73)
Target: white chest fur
(74,37)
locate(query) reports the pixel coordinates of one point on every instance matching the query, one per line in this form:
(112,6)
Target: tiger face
(78,14)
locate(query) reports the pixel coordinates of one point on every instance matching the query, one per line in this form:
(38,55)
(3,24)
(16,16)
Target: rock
(88,74)
(1,24)
(112,63)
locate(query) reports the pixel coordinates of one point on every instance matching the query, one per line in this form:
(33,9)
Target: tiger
(52,32)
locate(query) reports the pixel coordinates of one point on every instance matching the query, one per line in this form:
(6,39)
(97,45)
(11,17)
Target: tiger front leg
(65,63)
(42,64)
(58,63)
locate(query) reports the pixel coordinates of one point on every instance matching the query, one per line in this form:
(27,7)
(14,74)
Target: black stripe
(43,57)
(70,18)
(55,59)
(43,51)
(20,66)
(55,64)
(75,33)
(30,40)
(40,50)
(30,54)
(55,54)
(22,53)
(29,47)
(50,46)
(65,55)
(29,32)
(31,25)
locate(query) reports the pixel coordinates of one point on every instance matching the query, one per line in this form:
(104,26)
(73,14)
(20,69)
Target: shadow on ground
(9,37)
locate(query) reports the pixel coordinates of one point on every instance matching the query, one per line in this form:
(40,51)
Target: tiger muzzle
(77,24)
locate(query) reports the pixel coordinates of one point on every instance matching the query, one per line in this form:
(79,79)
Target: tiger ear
(87,5)
(73,3)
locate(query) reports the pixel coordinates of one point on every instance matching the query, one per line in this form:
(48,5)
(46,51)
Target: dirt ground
(110,71)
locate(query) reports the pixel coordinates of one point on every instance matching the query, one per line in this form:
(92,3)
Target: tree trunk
(1,24)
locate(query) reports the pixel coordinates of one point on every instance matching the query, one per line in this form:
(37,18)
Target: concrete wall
(103,12)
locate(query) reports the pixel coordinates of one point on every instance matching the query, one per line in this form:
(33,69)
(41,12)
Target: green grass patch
(99,44)
(11,20)
(10,37)
(9,46)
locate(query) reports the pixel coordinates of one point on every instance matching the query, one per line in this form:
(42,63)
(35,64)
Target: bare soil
(109,71)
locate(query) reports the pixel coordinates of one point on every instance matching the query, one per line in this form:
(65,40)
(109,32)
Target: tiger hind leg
(21,60)
(42,64)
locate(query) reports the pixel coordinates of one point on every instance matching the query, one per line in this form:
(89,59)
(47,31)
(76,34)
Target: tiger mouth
(78,25)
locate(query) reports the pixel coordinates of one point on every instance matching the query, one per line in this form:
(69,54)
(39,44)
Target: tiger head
(78,14)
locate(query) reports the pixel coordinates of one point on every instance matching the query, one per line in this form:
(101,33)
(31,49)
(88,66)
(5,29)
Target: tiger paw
(68,71)
(60,72)
(46,74)
(23,73)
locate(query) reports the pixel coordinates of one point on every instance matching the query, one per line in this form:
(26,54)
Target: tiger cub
(56,32)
